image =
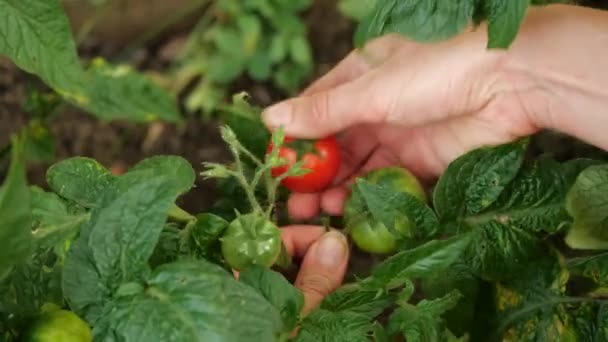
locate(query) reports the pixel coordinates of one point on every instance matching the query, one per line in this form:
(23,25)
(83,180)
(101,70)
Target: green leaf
(355,299)
(170,246)
(300,51)
(432,257)
(119,92)
(287,299)
(474,181)
(79,179)
(423,322)
(504,19)
(53,224)
(388,205)
(260,66)
(37,36)
(456,277)
(587,203)
(176,167)
(498,251)
(326,326)
(205,236)
(116,243)
(15,212)
(594,267)
(426,20)
(191,301)
(31,285)
(356,9)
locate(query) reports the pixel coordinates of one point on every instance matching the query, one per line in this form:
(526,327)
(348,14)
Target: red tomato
(322,157)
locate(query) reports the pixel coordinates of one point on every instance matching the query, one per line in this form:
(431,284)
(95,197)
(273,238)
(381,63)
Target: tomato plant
(369,234)
(320,158)
(507,247)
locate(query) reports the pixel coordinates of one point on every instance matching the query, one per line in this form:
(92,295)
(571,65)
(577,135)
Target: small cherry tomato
(321,157)
(370,235)
(251,239)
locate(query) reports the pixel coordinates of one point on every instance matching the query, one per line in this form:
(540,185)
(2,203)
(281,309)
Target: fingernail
(278,115)
(332,249)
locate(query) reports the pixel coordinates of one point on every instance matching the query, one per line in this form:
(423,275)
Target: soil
(119,145)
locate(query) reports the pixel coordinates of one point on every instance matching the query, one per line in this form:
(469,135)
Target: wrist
(562,53)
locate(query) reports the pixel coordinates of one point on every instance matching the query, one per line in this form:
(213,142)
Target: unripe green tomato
(251,239)
(370,235)
(59,325)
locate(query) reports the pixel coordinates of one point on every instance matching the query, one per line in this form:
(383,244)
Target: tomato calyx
(302,147)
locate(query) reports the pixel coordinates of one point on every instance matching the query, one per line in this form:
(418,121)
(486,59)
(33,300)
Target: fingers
(302,206)
(298,238)
(341,98)
(357,63)
(323,268)
(327,112)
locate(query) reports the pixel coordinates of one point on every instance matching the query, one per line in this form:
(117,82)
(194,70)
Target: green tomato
(55,324)
(370,235)
(251,239)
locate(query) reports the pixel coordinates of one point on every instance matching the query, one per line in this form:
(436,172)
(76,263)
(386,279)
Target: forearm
(569,70)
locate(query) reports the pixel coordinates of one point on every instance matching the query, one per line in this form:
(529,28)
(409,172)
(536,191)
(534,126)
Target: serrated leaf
(32,284)
(387,205)
(170,246)
(353,298)
(427,20)
(15,212)
(504,19)
(119,92)
(498,251)
(458,276)
(205,236)
(79,179)
(116,243)
(326,326)
(287,299)
(37,36)
(434,256)
(474,181)
(191,301)
(594,267)
(587,203)
(423,322)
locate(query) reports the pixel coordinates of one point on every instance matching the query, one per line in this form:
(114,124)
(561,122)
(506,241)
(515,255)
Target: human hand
(399,102)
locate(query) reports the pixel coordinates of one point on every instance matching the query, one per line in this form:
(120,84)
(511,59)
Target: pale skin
(398,102)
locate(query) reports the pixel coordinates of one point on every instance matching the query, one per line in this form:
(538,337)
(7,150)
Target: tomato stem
(180,215)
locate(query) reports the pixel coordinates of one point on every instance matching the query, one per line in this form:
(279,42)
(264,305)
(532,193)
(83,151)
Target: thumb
(323,268)
(327,112)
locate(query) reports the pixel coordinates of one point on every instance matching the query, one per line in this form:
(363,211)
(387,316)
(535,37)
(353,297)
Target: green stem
(180,215)
(240,176)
